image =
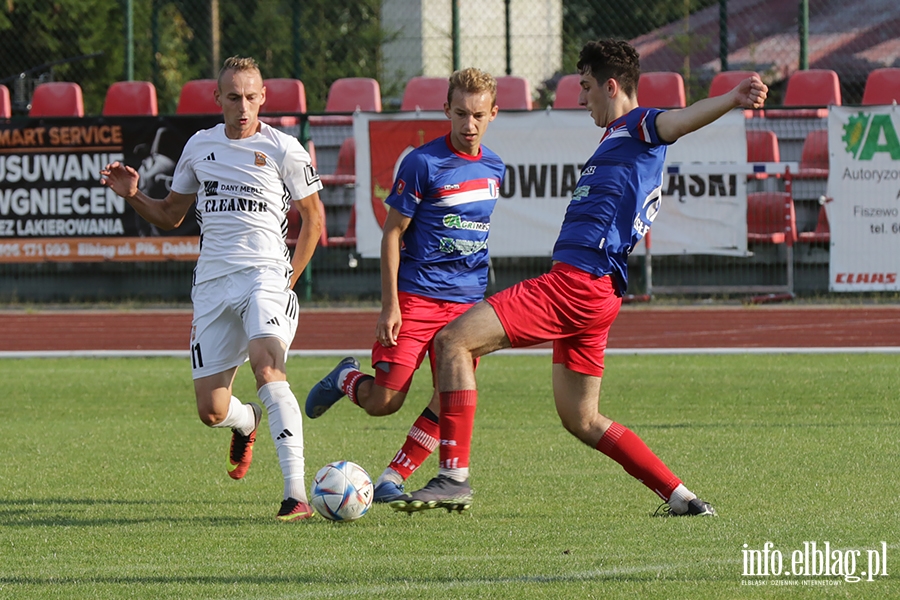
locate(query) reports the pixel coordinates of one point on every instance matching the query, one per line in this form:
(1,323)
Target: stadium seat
(425,93)
(283,96)
(513,93)
(5,104)
(771,218)
(345,172)
(661,89)
(567,91)
(725,81)
(882,87)
(197,98)
(822,233)
(311,149)
(813,88)
(349,237)
(762,146)
(814,156)
(347,95)
(294,221)
(130,98)
(57,99)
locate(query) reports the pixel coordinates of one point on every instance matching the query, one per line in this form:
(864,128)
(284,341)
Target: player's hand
(388,327)
(751,92)
(121,179)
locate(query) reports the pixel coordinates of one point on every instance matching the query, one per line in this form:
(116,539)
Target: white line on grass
(508,351)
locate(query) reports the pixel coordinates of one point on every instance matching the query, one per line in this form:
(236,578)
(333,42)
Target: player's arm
(672,124)
(388,327)
(167,213)
(310,232)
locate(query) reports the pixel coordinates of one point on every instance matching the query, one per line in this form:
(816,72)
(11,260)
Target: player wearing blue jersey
(612,207)
(434,267)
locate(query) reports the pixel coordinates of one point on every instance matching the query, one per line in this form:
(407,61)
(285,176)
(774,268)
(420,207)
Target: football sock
(420,442)
(456,422)
(389,475)
(626,448)
(349,383)
(240,417)
(679,499)
(286,427)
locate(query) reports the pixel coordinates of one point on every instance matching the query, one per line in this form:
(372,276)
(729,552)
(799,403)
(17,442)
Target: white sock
(458,474)
(286,427)
(679,499)
(390,475)
(240,416)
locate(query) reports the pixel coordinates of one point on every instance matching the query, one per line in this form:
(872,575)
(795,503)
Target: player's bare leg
(285,423)
(476,333)
(577,399)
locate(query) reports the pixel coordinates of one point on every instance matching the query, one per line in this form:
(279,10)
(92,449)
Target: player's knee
(267,374)
(382,405)
(446,343)
(210,417)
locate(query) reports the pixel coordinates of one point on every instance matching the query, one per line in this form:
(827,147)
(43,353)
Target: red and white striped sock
(420,442)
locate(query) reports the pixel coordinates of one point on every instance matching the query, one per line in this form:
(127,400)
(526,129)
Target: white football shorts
(231,310)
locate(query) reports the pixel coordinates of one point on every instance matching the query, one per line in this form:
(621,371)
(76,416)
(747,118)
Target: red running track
(636,327)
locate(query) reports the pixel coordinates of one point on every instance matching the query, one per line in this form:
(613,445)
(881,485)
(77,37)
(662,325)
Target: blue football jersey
(449,197)
(616,198)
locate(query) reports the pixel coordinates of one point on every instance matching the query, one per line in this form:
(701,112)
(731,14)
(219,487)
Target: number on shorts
(196,357)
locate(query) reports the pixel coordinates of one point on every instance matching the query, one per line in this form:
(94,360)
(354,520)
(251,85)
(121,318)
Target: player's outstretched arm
(672,124)
(167,213)
(310,232)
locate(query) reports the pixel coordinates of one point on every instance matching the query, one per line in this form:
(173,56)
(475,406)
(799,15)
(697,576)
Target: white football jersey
(244,189)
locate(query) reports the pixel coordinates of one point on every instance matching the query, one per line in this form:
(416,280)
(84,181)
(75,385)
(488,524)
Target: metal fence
(318,41)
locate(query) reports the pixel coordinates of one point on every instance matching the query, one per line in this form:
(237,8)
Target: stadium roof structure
(851,38)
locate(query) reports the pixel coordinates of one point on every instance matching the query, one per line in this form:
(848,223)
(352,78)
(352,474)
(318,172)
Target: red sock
(351,384)
(420,442)
(457,419)
(626,448)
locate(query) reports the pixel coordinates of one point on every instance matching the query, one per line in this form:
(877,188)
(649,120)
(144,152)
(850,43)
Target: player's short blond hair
(238,64)
(472,81)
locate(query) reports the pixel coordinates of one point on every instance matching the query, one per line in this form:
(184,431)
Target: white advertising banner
(703,212)
(864,188)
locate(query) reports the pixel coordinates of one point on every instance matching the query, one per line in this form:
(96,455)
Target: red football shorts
(567,306)
(422,319)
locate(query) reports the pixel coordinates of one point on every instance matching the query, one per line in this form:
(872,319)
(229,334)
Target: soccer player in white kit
(243,175)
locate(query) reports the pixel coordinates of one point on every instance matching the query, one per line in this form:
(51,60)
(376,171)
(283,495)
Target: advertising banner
(544,153)
(864,198)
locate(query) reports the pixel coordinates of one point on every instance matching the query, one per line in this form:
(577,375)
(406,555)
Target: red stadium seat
(822,233)
(57,99)
(513,93)
(814,156)
(771,218)
(725,81)
(425,93)
(345,172)
(130,98)
(813,88)
(882,87)
(197,98)
(284,96)
(567,91)
(5,104)
(661,89)
(347,95)
(762,146)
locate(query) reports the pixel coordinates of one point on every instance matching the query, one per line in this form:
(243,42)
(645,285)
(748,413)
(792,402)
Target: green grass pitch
(110,487)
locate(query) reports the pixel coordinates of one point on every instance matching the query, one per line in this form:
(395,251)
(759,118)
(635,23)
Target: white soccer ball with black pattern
(341,491)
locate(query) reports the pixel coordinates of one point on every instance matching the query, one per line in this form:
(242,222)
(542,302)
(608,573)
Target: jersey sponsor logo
(456,222)
(211,188)
(260,160)
(464,247)
(451,186)
(475,190)
(588,170)
(240,189)
(580,192)
(234,205)
(212,156)
(311,174)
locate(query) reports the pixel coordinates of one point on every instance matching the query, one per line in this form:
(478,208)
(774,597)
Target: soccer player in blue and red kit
(434,267)
(612,207)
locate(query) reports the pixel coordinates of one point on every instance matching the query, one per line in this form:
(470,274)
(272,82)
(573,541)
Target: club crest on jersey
(260,159)
(493,188)
(401,185)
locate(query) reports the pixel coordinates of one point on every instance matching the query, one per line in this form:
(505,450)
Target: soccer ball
(341,491)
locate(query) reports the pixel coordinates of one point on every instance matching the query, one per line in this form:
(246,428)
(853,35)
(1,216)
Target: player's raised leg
(333,387)
(577,401)
(476,333)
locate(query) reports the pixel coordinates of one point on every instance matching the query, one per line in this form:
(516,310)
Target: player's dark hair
(612,59)
(472,81)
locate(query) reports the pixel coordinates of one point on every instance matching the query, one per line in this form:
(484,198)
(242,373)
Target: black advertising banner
(50,171)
